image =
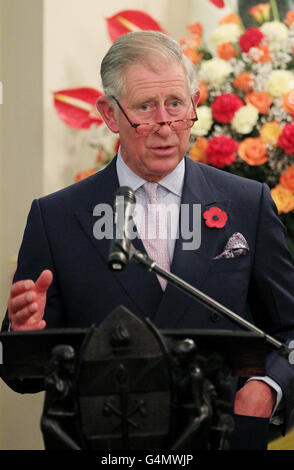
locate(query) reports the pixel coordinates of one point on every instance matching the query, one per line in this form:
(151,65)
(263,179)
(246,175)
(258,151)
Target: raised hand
(27,302)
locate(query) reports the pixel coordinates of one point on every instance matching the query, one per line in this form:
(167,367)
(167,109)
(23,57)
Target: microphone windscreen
(127,193)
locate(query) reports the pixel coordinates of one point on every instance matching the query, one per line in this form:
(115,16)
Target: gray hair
(141,47)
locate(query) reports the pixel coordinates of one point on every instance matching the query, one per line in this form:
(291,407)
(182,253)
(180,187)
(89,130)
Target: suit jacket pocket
(230,264)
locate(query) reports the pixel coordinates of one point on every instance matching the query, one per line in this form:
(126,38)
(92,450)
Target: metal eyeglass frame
(163,123)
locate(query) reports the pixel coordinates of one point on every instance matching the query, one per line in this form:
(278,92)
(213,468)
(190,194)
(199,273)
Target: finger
(30,327)
(20,287)
(44,281)
(30,314)
(21,301)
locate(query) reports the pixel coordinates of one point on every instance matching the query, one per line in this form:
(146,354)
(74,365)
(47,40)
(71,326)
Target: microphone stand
(211,304)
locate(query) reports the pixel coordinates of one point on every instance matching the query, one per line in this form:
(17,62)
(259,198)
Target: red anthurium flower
(130,20)
(116,146)
(218,3)
(77,107)
(215,217)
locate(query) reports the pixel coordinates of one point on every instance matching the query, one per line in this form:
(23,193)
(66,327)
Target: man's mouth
(163,150)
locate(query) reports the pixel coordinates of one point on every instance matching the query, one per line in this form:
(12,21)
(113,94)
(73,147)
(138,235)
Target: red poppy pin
(215,217)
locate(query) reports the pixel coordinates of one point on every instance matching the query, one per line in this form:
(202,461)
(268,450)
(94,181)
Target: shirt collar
(173,182)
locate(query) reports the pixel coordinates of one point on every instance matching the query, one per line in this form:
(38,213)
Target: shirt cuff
(279,396)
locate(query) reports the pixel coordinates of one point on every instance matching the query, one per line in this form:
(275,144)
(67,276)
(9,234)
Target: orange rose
(287,178)
(270,132)
(230,18)
(253,151)
(81,175)
(260,99)
(192,41)
(289,20)
(226,51)
(203,92)
(196,28)
(261,54)
(101,156)
(198,150)
(193,55)
(260,12)
(244,81)
(284,199)
(288,102)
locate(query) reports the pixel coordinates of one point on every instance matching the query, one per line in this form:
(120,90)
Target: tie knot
(150,190)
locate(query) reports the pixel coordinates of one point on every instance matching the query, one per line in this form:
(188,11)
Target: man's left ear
(107,113)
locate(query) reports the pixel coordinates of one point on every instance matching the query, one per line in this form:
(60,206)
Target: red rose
(215,217)
(221,151)
(225,106)
(251,38)
(286,139)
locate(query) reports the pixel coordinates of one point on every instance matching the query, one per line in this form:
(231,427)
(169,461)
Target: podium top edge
(164,332)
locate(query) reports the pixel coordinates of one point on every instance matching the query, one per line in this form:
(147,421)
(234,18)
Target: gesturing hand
(27,301)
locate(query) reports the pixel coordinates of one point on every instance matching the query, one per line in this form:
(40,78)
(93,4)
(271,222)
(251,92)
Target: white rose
(245,119)
(228,32)
(280,82)
(204,123)
(214,71)
(276,32)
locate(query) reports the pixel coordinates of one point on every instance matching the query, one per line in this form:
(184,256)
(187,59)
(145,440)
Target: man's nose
(164,130)
(163,117)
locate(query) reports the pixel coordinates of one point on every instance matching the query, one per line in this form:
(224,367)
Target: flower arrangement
(246,108)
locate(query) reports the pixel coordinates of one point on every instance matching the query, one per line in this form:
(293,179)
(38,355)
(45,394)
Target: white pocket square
(236,246)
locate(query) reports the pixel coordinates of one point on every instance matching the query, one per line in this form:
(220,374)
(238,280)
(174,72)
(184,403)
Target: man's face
(154,97)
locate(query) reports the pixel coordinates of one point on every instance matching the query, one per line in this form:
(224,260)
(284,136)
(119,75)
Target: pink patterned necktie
(155,234)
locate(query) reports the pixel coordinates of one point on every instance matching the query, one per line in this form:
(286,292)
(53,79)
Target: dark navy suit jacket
(59,236)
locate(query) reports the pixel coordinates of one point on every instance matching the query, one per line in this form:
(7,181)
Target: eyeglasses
(146,128)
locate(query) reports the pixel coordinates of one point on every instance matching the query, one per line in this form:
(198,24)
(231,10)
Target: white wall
(2,283)
(21,170)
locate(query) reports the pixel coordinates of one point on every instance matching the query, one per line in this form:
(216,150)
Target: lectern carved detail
(125,385)
(134,389)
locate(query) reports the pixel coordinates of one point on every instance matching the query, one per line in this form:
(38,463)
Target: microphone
(123,209)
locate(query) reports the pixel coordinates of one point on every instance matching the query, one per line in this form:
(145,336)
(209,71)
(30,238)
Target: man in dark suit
(62,278)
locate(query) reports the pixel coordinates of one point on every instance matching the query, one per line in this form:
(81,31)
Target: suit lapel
(141,286)
(192,265)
